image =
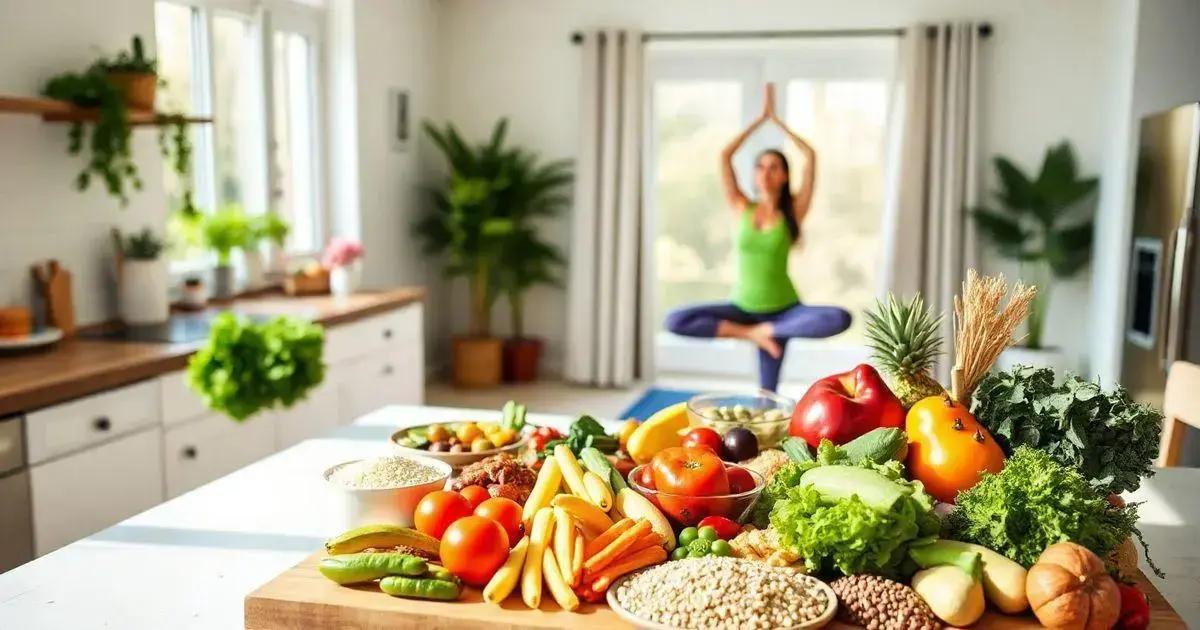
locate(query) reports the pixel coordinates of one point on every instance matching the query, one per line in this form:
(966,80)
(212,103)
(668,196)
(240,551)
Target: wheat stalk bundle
(982,329)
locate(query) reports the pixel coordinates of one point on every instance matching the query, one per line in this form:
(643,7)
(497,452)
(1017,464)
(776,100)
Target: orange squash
(948,448)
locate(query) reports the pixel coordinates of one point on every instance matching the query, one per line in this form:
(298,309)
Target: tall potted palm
(534,191)
(1045,225)
(469,225)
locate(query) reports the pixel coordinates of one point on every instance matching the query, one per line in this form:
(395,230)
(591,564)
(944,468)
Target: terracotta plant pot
(477,361)
(521,356)
(138,88)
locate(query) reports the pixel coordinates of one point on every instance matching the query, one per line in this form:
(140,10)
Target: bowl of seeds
(385,490)
(765,413)
(718,592)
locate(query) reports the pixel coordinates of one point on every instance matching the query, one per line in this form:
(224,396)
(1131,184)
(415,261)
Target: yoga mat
(654,399)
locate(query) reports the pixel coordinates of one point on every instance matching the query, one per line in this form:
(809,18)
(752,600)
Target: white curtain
(605,335)
(933,178)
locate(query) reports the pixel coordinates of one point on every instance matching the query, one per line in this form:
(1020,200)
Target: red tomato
(438,509)
(473,548)
(645,477)
(506,512)
(475,495)
(685,477)
(740,479)
(726,528)
(705,437)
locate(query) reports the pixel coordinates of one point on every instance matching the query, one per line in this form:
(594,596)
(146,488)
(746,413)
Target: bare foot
(763,335)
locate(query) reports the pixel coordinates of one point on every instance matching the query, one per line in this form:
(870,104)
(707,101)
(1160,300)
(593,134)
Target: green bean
(439,573)
(420,588)
(363,567)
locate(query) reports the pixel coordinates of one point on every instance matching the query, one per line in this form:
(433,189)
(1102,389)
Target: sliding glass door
(834,92)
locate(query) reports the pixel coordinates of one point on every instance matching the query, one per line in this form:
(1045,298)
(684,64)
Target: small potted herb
(134,75)
(273,229)
(222,232)
(142,278)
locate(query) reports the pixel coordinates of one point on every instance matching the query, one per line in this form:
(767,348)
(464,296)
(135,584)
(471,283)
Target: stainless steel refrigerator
(1164,297)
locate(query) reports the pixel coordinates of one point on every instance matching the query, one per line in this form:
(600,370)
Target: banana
(549,480)
(505,580)
(571,472)
(590,517)
(531,573)
(564,544)
(558,586)
(630,504)
(598,491)
(369,536)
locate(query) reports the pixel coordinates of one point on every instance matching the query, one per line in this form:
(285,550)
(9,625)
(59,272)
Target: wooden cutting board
(54,285)
(302,598)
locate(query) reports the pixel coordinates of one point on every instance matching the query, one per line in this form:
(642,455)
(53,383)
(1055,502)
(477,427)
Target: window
(833,92)
(257,72)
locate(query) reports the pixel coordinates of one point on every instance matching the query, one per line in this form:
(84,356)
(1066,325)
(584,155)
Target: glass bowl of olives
(460,443)
(765,413)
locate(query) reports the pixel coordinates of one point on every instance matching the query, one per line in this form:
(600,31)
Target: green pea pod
(440,573)
(363,567)
(420,588)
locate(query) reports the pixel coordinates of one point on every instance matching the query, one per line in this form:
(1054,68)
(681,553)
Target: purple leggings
(799,320)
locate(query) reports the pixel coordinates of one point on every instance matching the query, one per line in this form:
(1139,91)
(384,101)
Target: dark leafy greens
(1035,502)
(1107,436)
(247,366)
(584,432)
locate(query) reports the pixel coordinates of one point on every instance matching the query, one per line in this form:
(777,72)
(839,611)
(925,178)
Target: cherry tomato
(688,478)
(473,548)
(506,512)
(740,479)
(538,442)
(645,477)
(475,495)
(438,509)
(704,437)
(726,528)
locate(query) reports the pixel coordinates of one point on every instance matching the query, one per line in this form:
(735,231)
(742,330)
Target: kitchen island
(190,562)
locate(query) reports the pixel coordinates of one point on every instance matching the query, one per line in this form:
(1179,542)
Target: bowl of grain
(385,489)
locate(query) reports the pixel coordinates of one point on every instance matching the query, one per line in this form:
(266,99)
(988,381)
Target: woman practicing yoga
(765,307)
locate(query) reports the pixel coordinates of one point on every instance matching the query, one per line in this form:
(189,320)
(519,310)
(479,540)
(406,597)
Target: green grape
(707,533)
(687,535)
(721,548)
(679,554)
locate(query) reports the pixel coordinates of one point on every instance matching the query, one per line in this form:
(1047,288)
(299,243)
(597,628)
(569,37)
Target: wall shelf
(53,110)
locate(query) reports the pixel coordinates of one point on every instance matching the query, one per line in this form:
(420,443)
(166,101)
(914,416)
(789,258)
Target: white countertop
(189,562)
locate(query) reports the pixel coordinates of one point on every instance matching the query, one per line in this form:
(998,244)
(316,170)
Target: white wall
(1162,74)
(1040,84)
(41,214)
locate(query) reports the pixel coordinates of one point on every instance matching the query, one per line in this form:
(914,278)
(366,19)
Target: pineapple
(904,342)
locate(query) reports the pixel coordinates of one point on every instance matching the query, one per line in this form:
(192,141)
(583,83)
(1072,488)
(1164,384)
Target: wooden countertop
(79,366)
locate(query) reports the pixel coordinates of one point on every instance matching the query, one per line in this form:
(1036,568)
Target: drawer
(309,418)
(80,494)
(392,378)
(60,429)
(179,402)
(197,452)
(378,333)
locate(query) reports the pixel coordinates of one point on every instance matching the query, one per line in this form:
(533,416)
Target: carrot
(631,562)
(647,540)
(616,547)
(600,542)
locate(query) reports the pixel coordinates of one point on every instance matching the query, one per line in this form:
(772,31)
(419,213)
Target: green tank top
(763,284)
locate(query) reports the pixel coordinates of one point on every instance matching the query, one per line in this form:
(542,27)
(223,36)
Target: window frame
(266,18)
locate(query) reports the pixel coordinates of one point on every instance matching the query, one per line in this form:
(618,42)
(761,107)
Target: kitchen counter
(190,562)
(79,366)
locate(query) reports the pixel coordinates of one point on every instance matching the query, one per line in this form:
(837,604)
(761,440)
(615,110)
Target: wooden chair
(1181,406)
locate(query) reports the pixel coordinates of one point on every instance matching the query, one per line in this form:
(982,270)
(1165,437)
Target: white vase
(345,280)
(143,297)
(256,276)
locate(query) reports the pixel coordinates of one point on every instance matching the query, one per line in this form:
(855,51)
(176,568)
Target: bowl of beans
(764,413)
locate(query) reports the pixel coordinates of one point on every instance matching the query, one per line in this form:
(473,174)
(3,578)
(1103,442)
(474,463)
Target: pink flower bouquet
(341,252)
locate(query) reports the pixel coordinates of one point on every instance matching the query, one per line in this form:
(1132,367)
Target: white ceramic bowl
(459,460)
(393,506)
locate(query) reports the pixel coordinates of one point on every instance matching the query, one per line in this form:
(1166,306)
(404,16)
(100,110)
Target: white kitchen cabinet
(201,450)
(393,378)
(309,418)
(179,402)
(91,420)
(79,494)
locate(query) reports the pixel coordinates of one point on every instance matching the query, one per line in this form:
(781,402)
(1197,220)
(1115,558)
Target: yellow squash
(948,448)
(659,431)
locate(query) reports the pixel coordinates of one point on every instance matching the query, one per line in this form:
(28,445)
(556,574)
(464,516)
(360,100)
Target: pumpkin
(1068,588)
(948,448)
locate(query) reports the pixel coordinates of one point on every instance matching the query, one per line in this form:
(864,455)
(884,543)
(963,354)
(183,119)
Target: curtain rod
(985,30)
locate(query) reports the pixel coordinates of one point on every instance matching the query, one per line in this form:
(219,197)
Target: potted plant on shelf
(468,224)
(134,75)
(222,232)
(142,292)
(533,191)
(273,229)
(1041,227)
(341,259)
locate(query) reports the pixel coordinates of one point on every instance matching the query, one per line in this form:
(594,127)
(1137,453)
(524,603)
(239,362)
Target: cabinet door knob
(102,423)
(387,333)
(189,452)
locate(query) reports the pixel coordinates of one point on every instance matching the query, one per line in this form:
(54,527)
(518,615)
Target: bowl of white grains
(385,489)
(716,592)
